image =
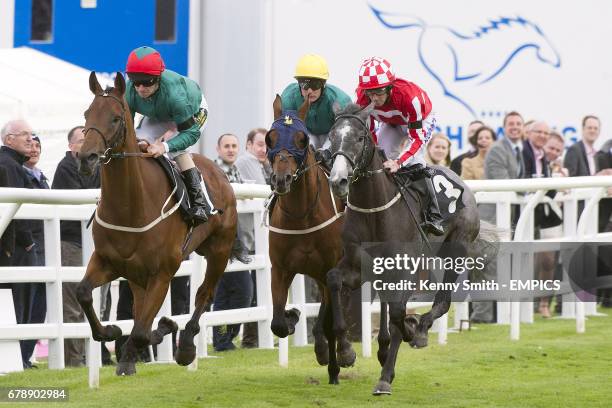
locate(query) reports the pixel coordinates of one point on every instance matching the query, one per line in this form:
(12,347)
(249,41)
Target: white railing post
(298,299)
(264,284)
(366,320)
(54,292)
(503,221)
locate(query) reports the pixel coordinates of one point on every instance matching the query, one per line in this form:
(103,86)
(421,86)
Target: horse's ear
(303,110)
(300,140)
(364,114)
(94,85)
(277,106)
(336,108)
(271,138)
(120,83)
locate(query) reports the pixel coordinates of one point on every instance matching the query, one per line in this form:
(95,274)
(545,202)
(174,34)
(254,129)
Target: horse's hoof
(419,340)
(185,355)
(125,368)
(322,353)
(293,313)
(346,358)
(334,381)
(167,325)
(411,324)
(382,388)
(109,333)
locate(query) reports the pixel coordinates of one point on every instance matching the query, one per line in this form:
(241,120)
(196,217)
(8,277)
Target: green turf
(551,366)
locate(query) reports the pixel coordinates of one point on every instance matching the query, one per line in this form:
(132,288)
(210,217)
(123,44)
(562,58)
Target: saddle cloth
(176,180)
(448,192)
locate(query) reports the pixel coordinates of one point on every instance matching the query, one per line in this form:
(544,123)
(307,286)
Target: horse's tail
(396,21)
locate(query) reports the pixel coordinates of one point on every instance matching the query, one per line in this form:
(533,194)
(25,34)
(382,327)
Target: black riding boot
(323,156)
(199,208)
(239,250)
(433,218)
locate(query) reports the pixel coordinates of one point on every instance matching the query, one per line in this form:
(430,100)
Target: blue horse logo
(443,51)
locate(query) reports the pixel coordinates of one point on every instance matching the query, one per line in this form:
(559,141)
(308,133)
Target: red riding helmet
(375,72)
(145,60)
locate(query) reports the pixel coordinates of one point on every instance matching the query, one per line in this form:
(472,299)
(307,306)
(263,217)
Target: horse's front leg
(98,273)
(388,369)
(283,322)
(216,262)
(145,310)
(441,305)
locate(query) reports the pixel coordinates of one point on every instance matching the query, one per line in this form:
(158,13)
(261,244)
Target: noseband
(118,139)
(365,155)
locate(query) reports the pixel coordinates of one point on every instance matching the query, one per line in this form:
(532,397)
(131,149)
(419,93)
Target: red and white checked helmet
(375,72)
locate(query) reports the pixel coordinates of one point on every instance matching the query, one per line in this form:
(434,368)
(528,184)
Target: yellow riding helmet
(312,66)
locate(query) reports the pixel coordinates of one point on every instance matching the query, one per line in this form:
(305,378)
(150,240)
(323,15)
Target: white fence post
(366,320)
(264,284)
(54,292)
(298,299)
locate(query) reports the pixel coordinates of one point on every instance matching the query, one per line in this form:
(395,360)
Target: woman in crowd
(438,150)
(473,168)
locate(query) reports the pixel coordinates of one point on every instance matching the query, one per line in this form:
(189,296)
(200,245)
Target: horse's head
(287,143)
(106,122)
(352,146)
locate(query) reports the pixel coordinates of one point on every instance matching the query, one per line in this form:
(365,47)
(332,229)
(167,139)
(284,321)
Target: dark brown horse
(376,216)
(134,190)
(305,228)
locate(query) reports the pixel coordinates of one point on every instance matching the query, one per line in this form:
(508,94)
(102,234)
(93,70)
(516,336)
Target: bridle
(365,155)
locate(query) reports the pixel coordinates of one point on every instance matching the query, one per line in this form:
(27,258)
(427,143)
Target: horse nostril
(287,178)
(273,179)
(343,183)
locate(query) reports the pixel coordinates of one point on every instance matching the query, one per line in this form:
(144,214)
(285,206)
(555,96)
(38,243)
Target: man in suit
(580,157)
(471,130)
(503,161)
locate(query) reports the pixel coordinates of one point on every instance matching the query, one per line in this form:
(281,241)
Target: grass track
(551,366)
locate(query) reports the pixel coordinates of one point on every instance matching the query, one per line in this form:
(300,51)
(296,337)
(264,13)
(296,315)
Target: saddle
(176,181)
(448,192)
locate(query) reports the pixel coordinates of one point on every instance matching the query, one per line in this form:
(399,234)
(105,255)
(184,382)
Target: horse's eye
(361,138)
(85,114)
(116,119)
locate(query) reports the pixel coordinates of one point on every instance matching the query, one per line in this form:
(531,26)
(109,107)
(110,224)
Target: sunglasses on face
(314,84)
(377,91)
(146,82)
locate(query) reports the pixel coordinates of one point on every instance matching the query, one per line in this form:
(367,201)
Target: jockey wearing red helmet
(404,112)
(174,111)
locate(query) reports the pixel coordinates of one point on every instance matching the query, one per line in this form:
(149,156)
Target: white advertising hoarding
(476,59)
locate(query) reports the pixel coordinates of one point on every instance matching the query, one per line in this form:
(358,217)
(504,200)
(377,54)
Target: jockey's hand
(391,166)
(156,149)
(143,145)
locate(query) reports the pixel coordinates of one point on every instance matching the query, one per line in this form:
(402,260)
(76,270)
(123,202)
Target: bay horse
(375,215)
(134,192)
(305,226)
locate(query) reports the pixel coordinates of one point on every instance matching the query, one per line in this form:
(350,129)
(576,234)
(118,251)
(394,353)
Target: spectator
(471,130)
(503,161)
(68,177)
(254,167)
(580,157)
(438,150)
(17,139)
(235,290)
(604,163)
(472,168)
(7,242)
(536,165)
(554,149)
(36,293)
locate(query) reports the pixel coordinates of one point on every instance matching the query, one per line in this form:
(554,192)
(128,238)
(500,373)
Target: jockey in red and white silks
(404,112)
(405,116)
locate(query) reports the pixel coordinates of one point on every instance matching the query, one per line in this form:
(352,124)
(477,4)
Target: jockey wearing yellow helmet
(312,74)
(170,103)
